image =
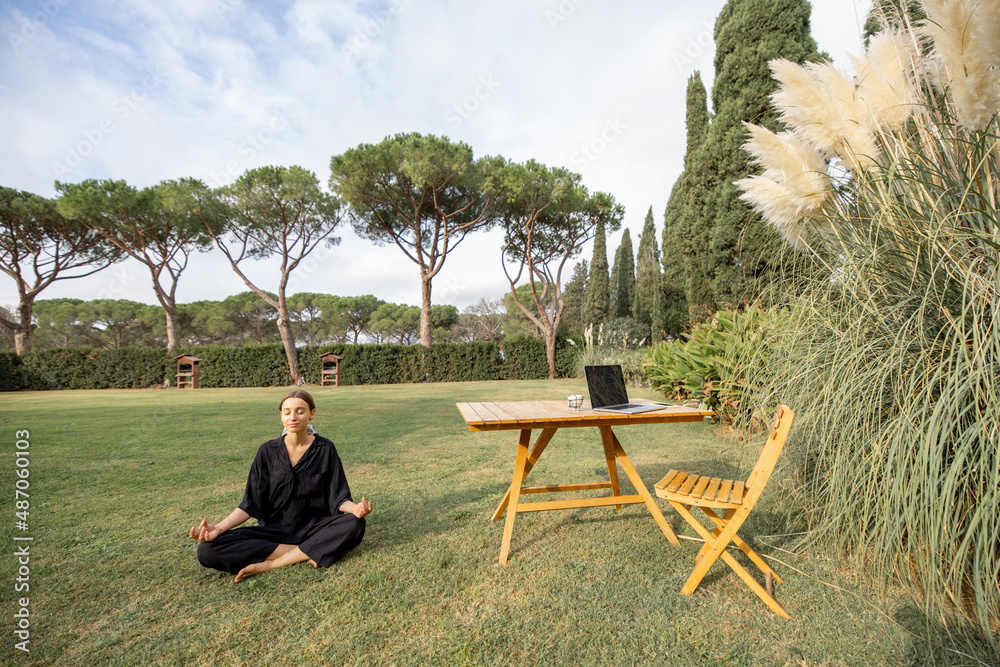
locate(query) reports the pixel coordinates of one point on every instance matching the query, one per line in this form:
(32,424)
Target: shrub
(567,351)
(463,362)
(62,368)
(247,366)
(719,361)
(616,341)
(11,371)
(632,363)
(622,333)
(131,367)
(524,359)
(267,366)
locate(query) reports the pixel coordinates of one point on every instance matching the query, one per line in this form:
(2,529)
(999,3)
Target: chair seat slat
(688,484)
(738,490)
(700,486)
(663,483)
(677,481)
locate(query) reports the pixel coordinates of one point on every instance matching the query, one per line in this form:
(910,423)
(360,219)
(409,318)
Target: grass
(117,478)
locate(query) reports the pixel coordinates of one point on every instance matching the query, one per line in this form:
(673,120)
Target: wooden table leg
(515,492)
(641,488)
(607,439)
(543,439)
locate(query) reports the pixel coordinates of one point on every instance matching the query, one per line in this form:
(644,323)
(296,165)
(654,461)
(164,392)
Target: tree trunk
(550,351)
(170,310)
(22,334)
(425,312)
(289,341)
(22,340)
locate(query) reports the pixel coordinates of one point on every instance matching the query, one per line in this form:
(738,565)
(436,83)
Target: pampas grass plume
(799,97)
(964,33)
(822,104)
(794,185)
(849,119)
(776,203)
(884,83)
(788,159)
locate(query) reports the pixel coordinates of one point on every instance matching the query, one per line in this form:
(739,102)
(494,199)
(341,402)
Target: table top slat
(498,413)
(468,413)
(487,416)
(516,411)
(546,410)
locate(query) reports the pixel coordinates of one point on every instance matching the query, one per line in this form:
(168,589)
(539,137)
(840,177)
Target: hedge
(265,365)
(526,359)
(11,371)
(87,368)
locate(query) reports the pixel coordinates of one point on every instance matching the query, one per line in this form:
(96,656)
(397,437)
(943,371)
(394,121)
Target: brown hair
(298,393)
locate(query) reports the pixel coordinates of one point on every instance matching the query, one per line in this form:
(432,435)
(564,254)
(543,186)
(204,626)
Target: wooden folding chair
(686,490)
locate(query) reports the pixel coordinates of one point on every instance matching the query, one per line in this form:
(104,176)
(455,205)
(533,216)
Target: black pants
(324,541)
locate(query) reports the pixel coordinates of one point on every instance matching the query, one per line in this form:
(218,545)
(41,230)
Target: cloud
(595,87)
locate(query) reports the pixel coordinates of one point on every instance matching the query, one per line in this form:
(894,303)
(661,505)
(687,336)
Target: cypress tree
(693,227)
(623,278)
(647,273)
(890,14)
(671,315)
(613,284)
(744,253)
(596,305)
(573,295)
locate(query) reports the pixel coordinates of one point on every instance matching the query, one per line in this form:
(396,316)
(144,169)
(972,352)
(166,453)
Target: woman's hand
(205,532)
(360,510)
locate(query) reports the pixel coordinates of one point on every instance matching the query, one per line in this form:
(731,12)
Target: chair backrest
(758,479)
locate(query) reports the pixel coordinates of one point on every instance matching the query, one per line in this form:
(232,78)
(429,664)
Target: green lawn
(117,478)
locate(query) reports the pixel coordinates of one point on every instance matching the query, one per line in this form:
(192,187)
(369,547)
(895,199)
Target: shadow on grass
(933,643)
(400,523)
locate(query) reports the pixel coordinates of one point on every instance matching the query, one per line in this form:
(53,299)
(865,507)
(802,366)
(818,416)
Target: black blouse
(295,496)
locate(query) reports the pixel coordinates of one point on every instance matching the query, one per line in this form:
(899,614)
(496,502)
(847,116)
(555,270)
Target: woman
(299,494)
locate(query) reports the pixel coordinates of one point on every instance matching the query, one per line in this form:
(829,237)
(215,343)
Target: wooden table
(549,417)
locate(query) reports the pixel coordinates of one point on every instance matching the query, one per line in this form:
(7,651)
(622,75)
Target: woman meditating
(299,494)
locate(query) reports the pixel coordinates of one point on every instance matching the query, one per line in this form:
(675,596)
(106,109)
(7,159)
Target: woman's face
(295,415)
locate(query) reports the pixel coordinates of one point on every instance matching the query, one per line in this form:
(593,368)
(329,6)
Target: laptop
(606,385)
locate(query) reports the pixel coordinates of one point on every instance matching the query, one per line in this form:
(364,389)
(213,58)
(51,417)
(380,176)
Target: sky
(145,91)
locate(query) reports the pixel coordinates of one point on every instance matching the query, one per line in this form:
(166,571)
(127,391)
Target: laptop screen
(606,385)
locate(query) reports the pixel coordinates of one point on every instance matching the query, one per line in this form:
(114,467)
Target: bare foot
(252,569)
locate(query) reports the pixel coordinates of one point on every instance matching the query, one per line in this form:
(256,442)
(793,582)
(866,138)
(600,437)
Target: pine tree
(744,254)
(623,278)
(692,231)
(573,295)
(647,273)
(596,305)
(671,315)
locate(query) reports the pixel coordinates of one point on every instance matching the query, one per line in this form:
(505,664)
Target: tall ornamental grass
(891,176)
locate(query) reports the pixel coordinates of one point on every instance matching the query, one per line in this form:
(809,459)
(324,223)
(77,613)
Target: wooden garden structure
(330,372)
(188,371)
